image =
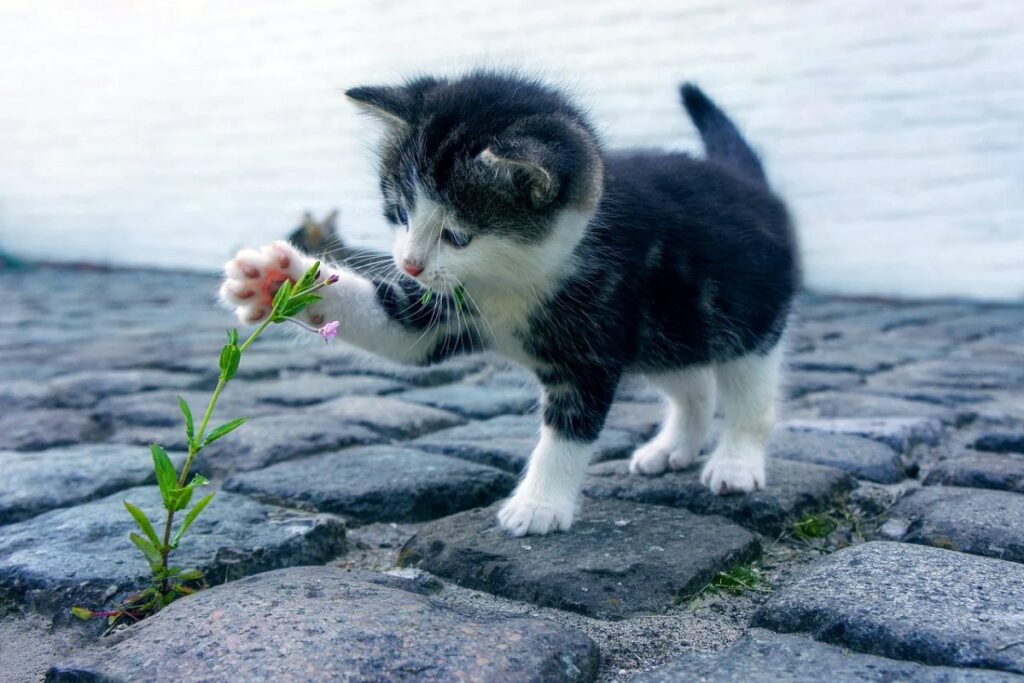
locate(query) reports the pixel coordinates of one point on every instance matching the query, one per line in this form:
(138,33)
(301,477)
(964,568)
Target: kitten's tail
(722,139)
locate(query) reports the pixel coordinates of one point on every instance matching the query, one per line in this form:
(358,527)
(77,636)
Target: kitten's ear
(391,105)
(522,167)
(397,105)
(331,222)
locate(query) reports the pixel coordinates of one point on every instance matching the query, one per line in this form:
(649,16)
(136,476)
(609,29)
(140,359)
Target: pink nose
(412,267)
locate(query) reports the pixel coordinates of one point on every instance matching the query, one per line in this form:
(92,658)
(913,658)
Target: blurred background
(171,134)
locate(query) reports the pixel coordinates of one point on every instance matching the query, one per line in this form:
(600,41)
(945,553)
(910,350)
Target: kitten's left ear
(387,103)
(524,169)
(397,105)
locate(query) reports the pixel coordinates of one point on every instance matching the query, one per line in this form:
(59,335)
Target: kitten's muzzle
(414,268)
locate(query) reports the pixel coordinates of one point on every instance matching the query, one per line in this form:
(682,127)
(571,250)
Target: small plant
(738,580)
(743,578)
(811,527)
(176,489)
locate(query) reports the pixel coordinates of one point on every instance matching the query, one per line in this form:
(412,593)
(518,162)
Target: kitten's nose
(412,267)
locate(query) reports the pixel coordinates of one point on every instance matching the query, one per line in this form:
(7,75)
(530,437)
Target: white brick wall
(171,133)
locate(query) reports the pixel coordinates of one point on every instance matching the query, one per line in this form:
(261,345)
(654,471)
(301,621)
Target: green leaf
(149,550)
(230,356)
(233,337)
(813,526)
(189,424)
(283,294)
(182,497)
(308,279)
(140,518)
(198,480)
(191,574)
(191,517)
(460,297)
(224,430)
(225,357)
(166,476)
(427,295)
(297,303)
(82,613)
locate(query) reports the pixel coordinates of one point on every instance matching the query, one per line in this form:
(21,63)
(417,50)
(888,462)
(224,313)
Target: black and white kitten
(578,263)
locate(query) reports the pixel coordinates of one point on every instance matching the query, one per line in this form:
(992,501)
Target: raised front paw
(521,516)
(253,277)
(726,474)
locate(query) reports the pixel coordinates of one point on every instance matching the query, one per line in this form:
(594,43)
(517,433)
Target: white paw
(725,475)
(253,277)
(520,516)
(654,458)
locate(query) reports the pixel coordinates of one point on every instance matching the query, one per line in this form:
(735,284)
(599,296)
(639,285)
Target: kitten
(579,263)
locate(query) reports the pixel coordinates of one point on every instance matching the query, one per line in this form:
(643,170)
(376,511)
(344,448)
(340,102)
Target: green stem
(193,449)
(258,331)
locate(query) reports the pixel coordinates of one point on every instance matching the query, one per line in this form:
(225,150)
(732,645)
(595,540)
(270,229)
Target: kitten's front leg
(380,317)
(547,496)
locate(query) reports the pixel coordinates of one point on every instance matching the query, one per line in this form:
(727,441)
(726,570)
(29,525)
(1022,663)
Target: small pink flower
(332,279)
(329,331)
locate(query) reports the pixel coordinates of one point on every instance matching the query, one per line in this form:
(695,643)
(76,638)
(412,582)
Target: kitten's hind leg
(748,388)
(691,406)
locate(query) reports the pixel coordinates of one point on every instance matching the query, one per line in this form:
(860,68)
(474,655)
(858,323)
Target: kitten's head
(317,237)
(489,179)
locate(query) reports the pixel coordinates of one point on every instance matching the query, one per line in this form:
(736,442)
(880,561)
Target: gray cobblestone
(626,558)
(765,657)
(974,521)
(377,484)
(323,623)
(34,430)
(862,457)
(1001,471)
(82,555)
(390,417)
(903,601)
(38,481)
(478,402)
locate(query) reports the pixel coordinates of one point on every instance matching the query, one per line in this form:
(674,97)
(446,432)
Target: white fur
(691,406)
(352,301)
(747,389)
(546,498)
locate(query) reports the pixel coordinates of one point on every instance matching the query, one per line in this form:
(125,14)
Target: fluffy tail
(722,139)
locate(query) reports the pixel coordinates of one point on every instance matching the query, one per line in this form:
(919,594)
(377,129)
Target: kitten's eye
(455,239)
(403,216)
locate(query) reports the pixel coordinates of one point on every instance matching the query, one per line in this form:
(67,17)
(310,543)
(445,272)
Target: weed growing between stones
(842,525)
(810,527)
(170,582)
(739,580)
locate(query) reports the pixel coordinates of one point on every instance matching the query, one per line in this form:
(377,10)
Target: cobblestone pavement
(354,536)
